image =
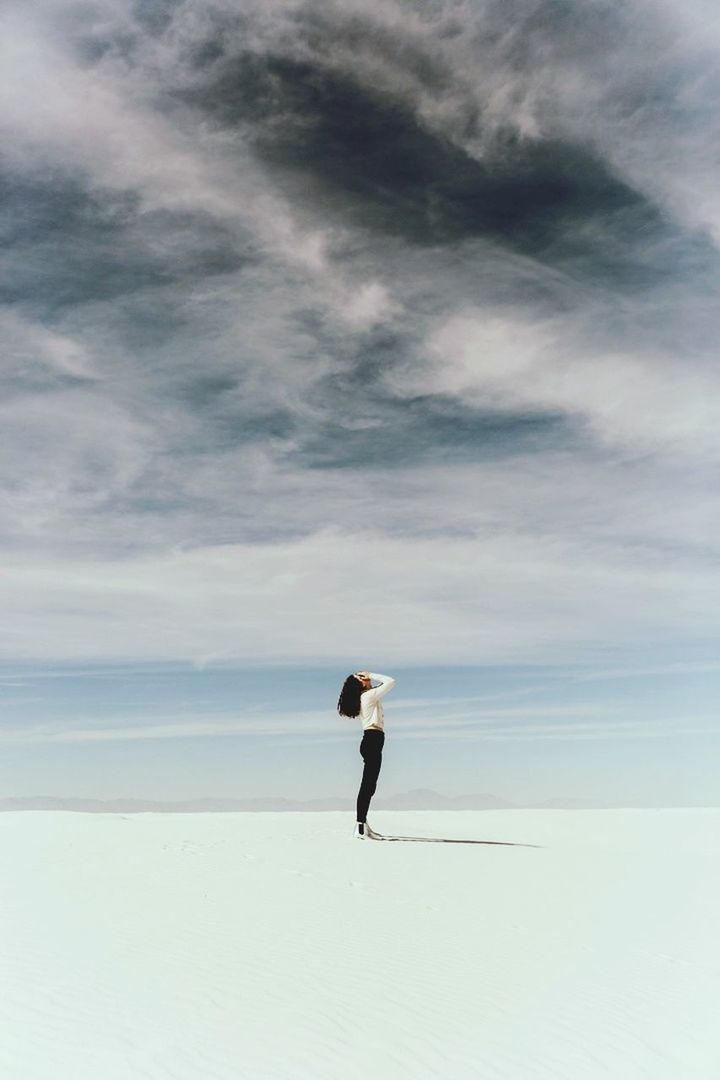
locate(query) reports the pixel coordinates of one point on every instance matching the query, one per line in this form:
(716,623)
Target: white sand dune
(274,945)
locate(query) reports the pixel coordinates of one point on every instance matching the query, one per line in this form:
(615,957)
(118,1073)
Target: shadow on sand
(446,840)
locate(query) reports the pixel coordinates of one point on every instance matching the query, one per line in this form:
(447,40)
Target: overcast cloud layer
(359,329)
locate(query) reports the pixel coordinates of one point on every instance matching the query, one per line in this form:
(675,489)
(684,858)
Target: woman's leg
(371,750)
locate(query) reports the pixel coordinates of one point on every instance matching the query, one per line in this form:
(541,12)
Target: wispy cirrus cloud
(562,722)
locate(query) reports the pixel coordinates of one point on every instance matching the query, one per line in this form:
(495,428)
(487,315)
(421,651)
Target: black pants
(371,750)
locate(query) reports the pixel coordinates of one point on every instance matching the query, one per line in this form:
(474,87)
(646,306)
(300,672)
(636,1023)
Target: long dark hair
(349,700)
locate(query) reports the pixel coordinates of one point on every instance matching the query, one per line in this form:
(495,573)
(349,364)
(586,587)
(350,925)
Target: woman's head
(354,686)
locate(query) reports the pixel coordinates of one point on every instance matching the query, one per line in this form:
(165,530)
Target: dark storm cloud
(368,160)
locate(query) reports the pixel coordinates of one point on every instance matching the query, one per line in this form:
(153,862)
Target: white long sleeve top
(371,711)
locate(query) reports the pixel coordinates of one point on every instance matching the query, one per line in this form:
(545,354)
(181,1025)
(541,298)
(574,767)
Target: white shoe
(361,835)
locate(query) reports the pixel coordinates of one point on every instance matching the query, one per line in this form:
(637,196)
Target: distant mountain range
(419,799)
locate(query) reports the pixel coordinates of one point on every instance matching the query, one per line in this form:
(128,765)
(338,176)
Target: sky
(359,335)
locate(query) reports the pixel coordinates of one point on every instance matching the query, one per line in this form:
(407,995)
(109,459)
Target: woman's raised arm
(386,683)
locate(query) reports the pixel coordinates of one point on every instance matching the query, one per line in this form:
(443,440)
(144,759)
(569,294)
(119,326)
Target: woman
(359,697)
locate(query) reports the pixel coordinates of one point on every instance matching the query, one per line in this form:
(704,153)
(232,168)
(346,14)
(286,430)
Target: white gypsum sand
(274,946)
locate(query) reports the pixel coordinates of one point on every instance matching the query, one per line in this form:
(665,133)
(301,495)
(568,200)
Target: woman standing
(359,697)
